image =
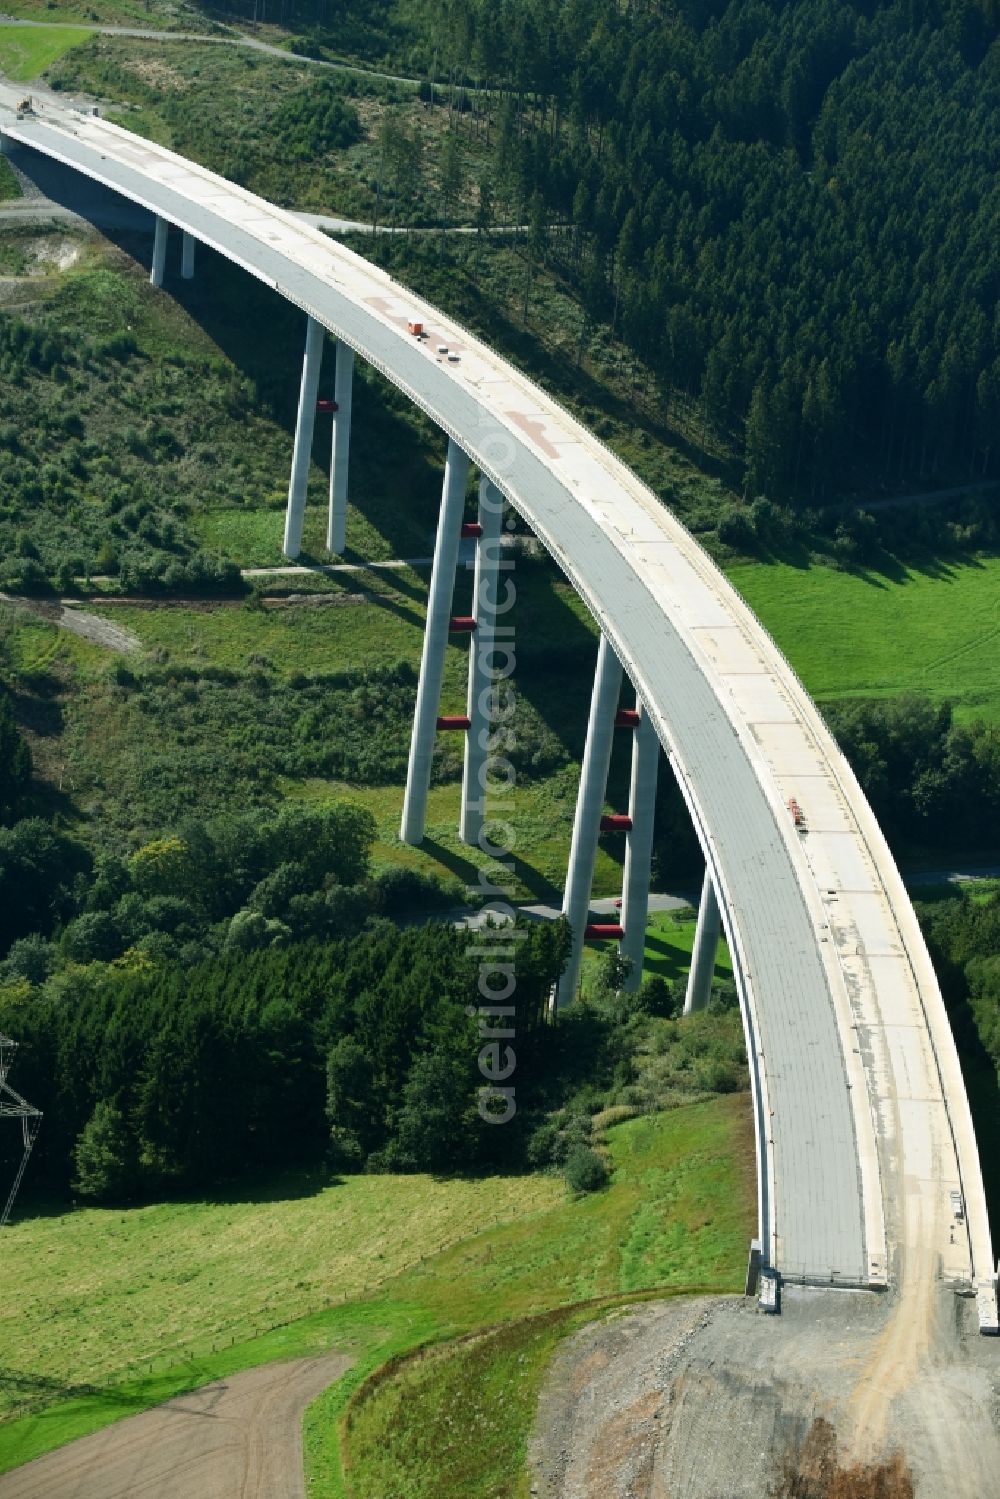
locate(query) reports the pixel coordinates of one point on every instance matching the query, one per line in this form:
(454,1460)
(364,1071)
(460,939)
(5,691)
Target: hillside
(827,325)
(194,1287)
(258,1069)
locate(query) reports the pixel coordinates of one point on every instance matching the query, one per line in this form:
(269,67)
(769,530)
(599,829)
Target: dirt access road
(240,1438)
(700,1398)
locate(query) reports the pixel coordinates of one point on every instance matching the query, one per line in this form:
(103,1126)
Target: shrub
(717,1076)
(106,561)
(104,1156)
(585,1170)
(736,530)
(660,997)
(402,889)
(31,958)
(92,938)
(315,120)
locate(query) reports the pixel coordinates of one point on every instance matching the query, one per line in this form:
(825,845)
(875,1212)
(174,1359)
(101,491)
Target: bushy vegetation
(334,142)
(317,119)
(15,761)
(963,933)
(296,870)
(9,185)
(153,741)
(125,449)
(932,783)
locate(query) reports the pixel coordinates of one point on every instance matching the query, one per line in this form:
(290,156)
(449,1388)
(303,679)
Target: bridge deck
(863,1123)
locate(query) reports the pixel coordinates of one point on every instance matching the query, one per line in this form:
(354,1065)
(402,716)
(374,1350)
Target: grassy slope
(120,1289)
(678,1214)
(26,51)
(9,185)
(98,733)
(157,15)
(866,635)
(669,940)
(493,1381)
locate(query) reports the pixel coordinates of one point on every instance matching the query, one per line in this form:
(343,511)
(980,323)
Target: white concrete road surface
(864,1130)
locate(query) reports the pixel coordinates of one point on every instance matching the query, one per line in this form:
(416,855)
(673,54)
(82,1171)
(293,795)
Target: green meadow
(370,1265)
(26,51)
(865,634)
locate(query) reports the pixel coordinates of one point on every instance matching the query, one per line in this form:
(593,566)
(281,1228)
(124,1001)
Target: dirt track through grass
(239,1438)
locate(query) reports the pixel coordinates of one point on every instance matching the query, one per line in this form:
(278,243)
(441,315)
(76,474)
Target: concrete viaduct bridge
(868,1172)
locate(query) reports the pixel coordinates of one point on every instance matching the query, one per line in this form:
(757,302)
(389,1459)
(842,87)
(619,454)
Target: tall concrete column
(340,450)
(302,451)
(706,945)
(6,144)
(418,771)
(159,251)
(187,256)
(485,607)
(639,847)
(589,805)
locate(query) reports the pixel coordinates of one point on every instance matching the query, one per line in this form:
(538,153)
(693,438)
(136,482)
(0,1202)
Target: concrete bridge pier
(706,945)
(6,144)
(589,805)
(639,847)
(187,256)
(340,449)
(302,451)
(486,606)
(159,251)
(442,588)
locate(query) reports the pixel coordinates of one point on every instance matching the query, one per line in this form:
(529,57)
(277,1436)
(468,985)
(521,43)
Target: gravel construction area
(240,1438)
(708,1398)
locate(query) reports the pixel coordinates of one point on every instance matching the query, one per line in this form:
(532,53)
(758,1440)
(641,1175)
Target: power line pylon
(13,1106)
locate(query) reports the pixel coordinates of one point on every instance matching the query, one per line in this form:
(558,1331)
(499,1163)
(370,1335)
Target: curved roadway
(863,1126)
